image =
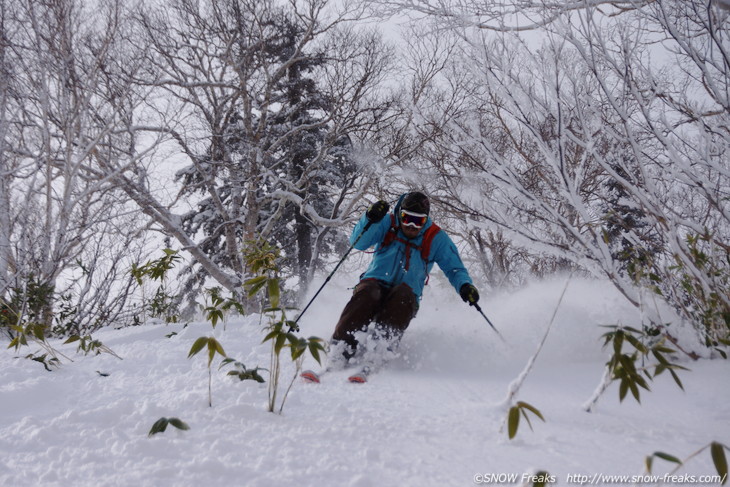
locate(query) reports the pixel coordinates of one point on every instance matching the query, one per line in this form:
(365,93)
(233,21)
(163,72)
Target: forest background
(589,138)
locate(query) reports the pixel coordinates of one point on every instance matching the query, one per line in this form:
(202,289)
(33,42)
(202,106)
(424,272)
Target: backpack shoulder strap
(425,248)
(391,233)
(428,236)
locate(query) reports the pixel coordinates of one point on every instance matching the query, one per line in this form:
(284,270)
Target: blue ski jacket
(389,262)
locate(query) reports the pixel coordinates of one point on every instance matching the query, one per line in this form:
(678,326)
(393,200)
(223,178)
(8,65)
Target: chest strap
(425,247)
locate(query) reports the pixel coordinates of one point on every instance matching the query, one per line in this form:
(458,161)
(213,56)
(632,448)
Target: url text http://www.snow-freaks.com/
(596,479)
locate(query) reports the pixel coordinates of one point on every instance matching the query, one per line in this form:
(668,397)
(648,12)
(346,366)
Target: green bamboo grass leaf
(293,339)
(636,343)
(660,358)
(254,374)
(667,457)
(179,424)
(253,290)
(541,479)
(280,342)
(198,346)
(631,329)
(214,347)
(717,450)
(314,348)
(214,315)
(635,391)
(623,389)
(255,280)
(38,331)
(642,383)
(274,292)
(211,353)
(218,347)
(618,341)
(531,408)
(527,418)
(297,351)
(513,421)
(627,362)
(226,361)
(676,378)
(254,285)
(272,334)
(649,462)
(159,427)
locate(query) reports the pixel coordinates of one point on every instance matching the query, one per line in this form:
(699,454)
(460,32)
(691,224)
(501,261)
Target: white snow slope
(433,417)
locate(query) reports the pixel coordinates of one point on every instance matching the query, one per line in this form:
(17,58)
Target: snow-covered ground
(434,417)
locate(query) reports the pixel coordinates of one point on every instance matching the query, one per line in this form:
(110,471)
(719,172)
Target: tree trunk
(5,248)
(304,251)
(5,175)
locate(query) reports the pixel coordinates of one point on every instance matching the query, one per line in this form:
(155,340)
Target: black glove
(377,211)
(469,294)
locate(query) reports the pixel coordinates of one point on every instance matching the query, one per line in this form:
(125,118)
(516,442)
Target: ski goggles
(410,219)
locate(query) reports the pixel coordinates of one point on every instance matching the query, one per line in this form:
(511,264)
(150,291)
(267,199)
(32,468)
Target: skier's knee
(370,290)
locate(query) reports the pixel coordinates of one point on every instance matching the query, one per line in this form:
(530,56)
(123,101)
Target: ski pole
(333,272)
(489,321)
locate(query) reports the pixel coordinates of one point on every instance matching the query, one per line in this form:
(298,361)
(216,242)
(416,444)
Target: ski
(360,377)
(312,376)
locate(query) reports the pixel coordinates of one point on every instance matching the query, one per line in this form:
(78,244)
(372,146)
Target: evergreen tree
(633,242)
(285,143)
(302,109)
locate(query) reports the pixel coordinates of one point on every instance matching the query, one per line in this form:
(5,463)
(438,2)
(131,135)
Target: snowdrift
(431,418)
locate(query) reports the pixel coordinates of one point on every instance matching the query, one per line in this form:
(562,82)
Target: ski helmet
(416,202)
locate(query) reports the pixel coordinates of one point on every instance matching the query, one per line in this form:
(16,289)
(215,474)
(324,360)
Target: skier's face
(409,231)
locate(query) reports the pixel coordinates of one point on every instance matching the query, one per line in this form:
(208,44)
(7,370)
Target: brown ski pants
(391,308)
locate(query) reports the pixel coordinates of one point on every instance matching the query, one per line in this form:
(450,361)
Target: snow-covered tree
(64,228)
(307,162)
(270,100)
(568,103)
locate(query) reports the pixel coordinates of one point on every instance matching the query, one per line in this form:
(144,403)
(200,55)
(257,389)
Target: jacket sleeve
(371,235)
(446,255)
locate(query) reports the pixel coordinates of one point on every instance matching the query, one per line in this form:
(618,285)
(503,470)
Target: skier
(406,246)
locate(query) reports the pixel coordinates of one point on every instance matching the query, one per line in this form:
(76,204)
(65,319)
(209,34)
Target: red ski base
(358,379)
(310,376)
(314,378)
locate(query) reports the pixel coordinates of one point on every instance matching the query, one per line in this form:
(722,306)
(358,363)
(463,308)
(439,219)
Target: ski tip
(362,376)
(358,379)
(310,376)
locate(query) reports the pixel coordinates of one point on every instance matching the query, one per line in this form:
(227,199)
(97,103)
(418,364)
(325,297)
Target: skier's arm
(446,255)
(372,236)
